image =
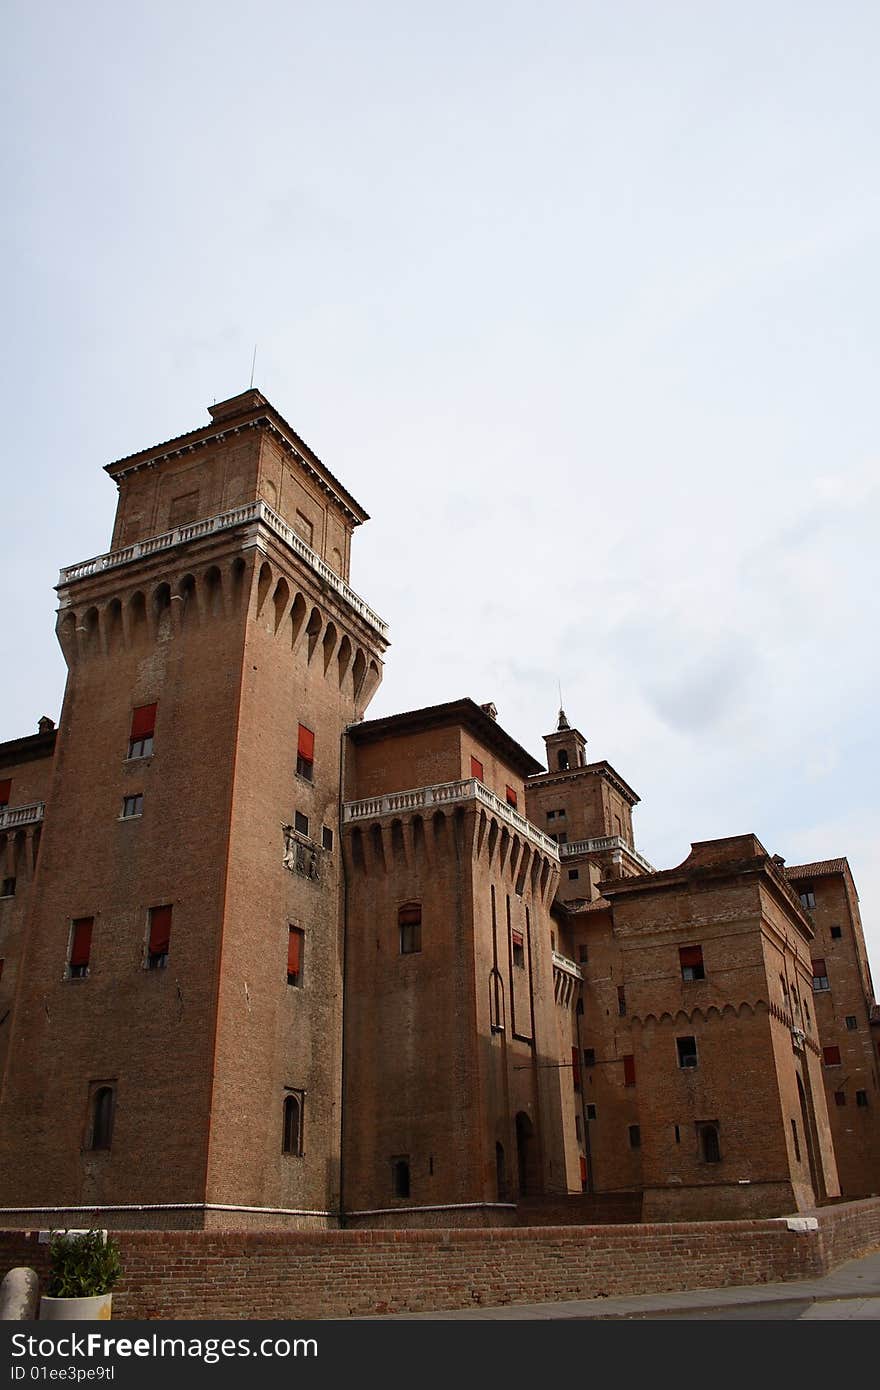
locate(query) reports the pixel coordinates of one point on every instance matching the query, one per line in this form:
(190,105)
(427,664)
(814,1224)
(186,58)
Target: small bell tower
(566,747)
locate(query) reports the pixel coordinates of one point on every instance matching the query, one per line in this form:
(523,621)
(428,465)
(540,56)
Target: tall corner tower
(176,1037)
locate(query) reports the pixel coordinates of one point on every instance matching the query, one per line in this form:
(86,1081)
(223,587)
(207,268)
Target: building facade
(264,961)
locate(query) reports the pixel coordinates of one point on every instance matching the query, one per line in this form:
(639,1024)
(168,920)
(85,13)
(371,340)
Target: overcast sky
(580,300)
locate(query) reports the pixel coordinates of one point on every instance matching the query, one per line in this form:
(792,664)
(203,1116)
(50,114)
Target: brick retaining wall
(205,1274)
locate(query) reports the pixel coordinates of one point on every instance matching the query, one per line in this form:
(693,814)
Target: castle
(266,962)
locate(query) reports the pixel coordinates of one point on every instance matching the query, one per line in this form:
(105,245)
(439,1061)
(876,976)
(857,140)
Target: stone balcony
(254,512)
(445,794)
(12,817)
(604,843)
(566,977)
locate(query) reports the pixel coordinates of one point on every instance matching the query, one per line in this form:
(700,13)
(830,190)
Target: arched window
(292,1133)
(562,759)
(409,923)
(102,1117)
(709,1145)
(400,1176)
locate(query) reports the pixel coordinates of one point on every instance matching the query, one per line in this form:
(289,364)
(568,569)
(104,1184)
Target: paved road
(849,1292)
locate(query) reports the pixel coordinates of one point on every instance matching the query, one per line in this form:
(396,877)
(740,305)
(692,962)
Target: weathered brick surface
(343,1273)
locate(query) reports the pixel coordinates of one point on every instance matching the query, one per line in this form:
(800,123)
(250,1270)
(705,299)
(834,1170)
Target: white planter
(75,1309)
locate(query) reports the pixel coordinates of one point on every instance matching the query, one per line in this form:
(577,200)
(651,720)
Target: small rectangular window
(295,951)
(80,947)
(510,794)
(143,728)
(831,1056)
(551,815)
(621,1001)
(589,1056)
(518,949)
(840,1097)
(573,873)
(629,1070)
(409,925)
(820,975)
(326,837)
(852,1023)
(5,792)
(635,1137)
(862,1099)
(591,1112)
(583,954)
(132,805)
(836,933)
(578,1129)
(808,898)
(305,753)
(476,768)
(687,1051)
(677,1134)
(159,939)
(690,959)
(300,823)
(2,963)
(7,888)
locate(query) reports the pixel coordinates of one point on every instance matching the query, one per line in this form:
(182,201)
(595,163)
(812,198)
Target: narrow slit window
(629,1070)
(409,926)
(400,1177)
(295,951)
(143,728)
(518,949)
(576,1068)
(621,1001)
(159,940)
(101,1118)
(305,753)
(292,1127)
(80,948)
(635,1137)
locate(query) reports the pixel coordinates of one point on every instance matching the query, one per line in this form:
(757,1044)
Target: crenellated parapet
(244,563)
(415,828)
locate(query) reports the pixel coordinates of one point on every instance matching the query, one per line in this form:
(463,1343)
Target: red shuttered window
(143,727)
(305,753)
(5,792)
(295,955)
(690,959)
(831,1056)
(159,943)
(820,975)
(511,796)
(476,768)
(80,947)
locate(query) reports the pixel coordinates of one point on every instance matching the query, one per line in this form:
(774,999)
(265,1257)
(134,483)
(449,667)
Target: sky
(579,300)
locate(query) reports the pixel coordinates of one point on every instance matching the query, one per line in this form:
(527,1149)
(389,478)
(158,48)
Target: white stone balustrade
(240,516)
(13,816)
(568,967)
(604,842)
(443,794)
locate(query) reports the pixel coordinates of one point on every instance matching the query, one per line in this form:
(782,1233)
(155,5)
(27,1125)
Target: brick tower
(176,1035)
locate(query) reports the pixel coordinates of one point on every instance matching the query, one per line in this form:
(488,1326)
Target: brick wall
(189,1274)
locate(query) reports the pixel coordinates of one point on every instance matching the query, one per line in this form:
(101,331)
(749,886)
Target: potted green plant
(84,1266)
